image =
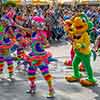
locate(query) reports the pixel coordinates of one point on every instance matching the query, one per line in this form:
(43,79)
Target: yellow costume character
(81,45)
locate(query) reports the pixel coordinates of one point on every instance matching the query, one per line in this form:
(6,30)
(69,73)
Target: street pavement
(63,89)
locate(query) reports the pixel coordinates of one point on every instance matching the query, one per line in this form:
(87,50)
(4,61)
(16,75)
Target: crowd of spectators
(55,15)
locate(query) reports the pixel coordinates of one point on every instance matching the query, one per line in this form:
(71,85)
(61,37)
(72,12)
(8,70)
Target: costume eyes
(77,37)
(83,20)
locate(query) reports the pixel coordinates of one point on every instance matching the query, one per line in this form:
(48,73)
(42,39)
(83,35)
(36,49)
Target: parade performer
(41,57)
(40,60)
(5,56)
(67,28)
(19,47)
(67,25)
(42,34)
(7,40)
(38,57)
(81,45)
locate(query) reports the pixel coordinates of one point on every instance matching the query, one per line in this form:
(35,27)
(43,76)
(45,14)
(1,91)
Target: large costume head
(79,26)
(39,23)
(75,27)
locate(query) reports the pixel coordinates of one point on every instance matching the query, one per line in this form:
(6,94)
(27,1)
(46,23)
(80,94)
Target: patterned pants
(44,70)
(9,61)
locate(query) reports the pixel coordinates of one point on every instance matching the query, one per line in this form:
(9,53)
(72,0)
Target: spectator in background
(66,15)
(39,10)
(97,43)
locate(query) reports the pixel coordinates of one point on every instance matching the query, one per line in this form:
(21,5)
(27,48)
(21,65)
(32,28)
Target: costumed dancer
(41,33)
(23,38)
(41,62)
(67,28)
(38,58)
(7,41)
(41,55)
(81,45)
(22,41)
(67,25)
(20,50)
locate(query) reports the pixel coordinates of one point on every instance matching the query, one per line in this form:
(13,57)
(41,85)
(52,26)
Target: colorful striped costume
(6,57)
(39,60)
(7,41)
(38,57)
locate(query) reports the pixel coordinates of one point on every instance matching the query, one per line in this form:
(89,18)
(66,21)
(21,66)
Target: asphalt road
(63,89)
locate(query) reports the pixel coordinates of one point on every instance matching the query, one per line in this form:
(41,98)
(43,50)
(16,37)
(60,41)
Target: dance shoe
(32,90)
(71,78)
(51,93)
(86,82)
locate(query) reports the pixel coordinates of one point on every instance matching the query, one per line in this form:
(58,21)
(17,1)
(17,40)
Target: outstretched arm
(25,29)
